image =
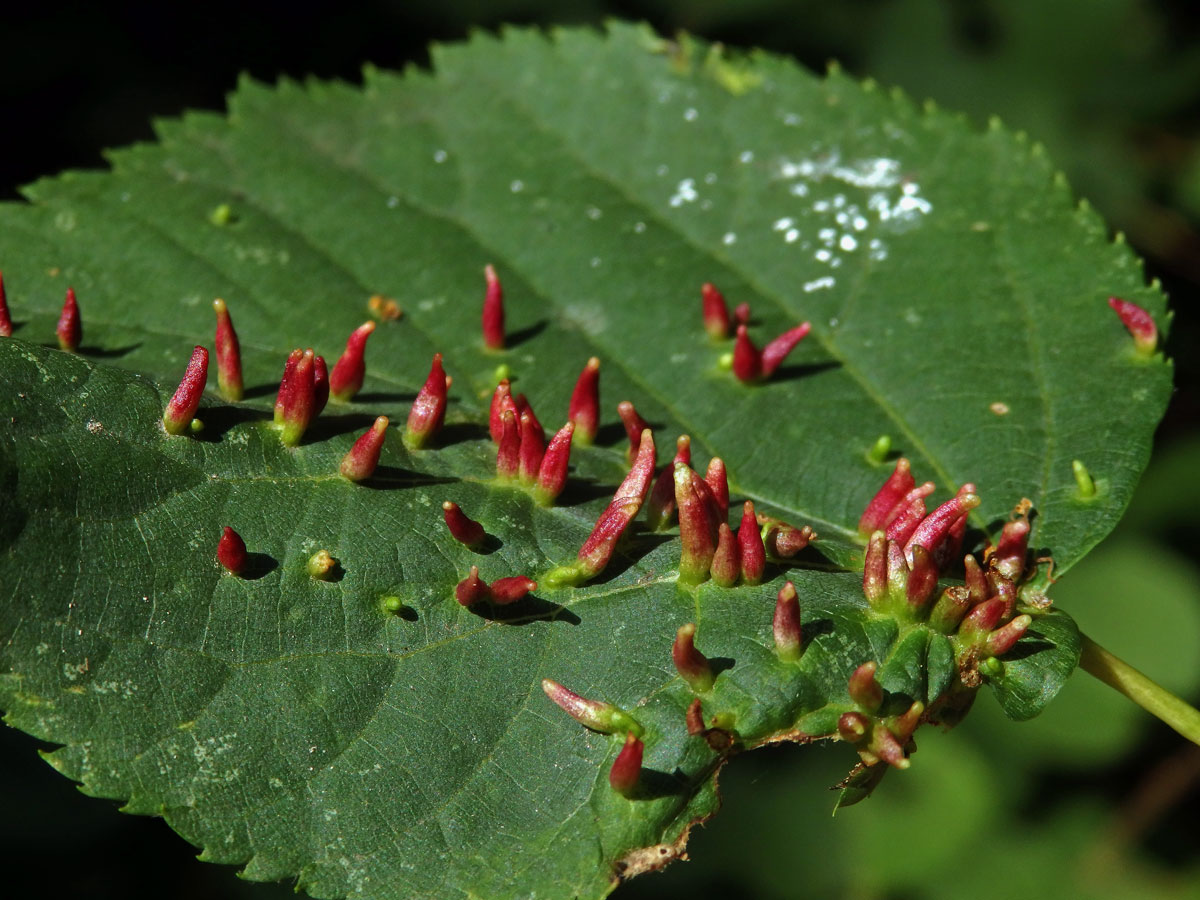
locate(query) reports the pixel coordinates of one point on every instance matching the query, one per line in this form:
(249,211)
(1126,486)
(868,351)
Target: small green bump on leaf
(222,215)
(196,426)
(879,451)
(321,565)
(392,604)
(725,362)
(1085,486)
(501,373)
(991,667)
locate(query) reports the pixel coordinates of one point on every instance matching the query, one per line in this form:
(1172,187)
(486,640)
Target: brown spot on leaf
(651,859)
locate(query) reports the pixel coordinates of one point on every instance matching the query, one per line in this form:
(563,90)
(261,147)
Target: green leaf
(1035,671)
(302,729)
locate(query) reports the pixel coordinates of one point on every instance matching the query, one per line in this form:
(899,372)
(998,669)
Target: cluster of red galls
(907,550)
(908,547)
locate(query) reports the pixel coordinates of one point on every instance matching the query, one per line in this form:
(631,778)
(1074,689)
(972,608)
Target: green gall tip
(321,565)
(569,575)
(879,451)
(222,215)
(1086,486)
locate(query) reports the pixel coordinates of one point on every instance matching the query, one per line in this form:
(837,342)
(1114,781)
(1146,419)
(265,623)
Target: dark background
(1112,87)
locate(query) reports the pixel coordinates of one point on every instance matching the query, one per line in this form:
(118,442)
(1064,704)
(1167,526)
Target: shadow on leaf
(516,338)
(259,565)
(815,629)
(390,478)
(807,370)
(260,390)
(218,420)
(579,491)
(720,664)
(460,433)
(327,426)
(653,784)
(529,608)
(630,554)
(385,397)
(1029,646)
(103,352)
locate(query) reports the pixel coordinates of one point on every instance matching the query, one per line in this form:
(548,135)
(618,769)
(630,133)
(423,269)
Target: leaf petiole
(1143,691)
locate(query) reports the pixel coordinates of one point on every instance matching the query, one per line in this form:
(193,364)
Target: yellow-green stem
(1148,694)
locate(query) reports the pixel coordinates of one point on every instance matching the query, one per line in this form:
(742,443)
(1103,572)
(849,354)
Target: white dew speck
(585,318)
(639,227)
(690,114)
(440,156)
(729,238)
(516,185)
(791,235)
(393,202)
(847,198)
(594,213)
(710,178)
(826,281)
(685,192)
(595,262)
(792,119)
(662,170)
(746,156)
